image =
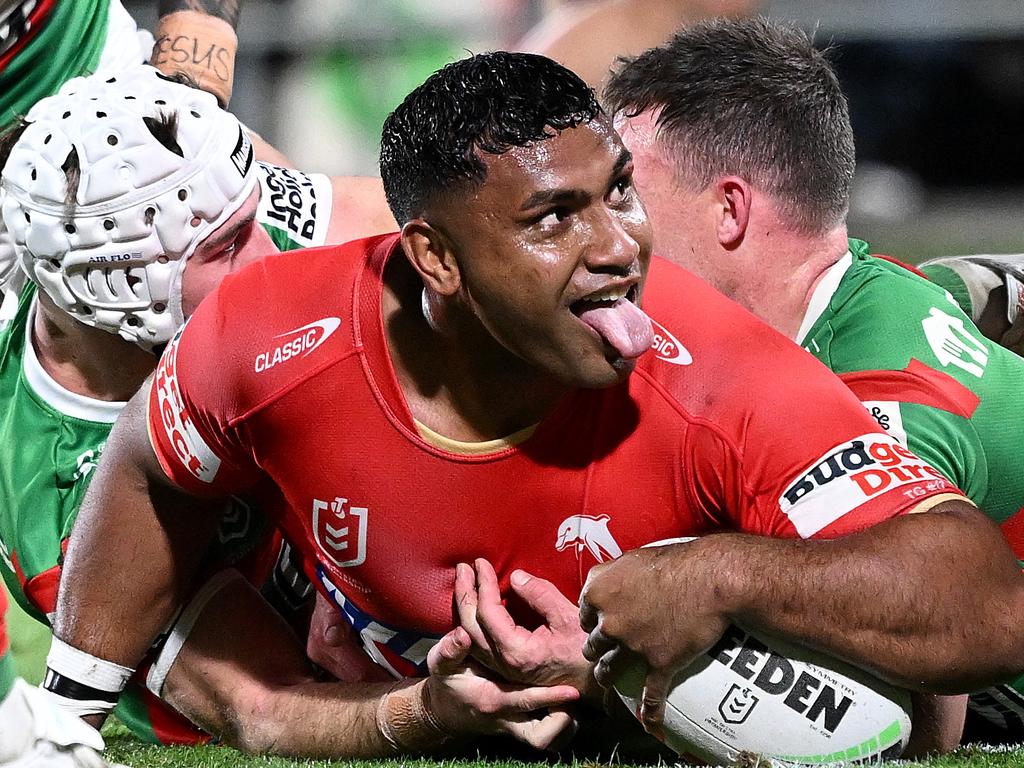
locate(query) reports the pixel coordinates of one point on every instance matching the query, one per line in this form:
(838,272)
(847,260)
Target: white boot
(34,733)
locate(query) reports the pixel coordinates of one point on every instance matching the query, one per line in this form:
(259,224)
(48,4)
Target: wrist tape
(214,40)
(83,684)
(406,720)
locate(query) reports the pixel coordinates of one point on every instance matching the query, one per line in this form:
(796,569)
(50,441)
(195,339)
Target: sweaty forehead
(576,158)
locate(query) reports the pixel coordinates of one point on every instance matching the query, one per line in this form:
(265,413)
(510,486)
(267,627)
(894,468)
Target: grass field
(30,641)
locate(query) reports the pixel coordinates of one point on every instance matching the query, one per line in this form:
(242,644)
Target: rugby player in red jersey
(476,387)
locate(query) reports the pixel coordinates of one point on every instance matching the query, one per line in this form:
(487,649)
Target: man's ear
(432,255)
(733,197)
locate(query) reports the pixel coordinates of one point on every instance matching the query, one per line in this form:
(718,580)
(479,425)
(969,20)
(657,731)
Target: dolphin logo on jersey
(590,533)
(668,348)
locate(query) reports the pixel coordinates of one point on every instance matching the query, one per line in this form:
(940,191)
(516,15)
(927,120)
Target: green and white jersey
(78,37)
(931,379)
(51,439)
(295,207)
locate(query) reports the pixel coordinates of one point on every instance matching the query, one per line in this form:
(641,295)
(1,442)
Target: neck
(786,280)
(86,360)
(456,379)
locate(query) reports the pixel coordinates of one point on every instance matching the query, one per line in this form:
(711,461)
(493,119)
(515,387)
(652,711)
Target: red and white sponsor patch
(850,475)
(667,347)
(189,446)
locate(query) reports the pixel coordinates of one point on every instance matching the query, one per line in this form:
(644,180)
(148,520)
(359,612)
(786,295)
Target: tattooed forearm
(189,54)
(192,40)
(222,9)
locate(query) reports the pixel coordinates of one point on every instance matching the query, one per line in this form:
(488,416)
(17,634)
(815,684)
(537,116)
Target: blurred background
(936,89)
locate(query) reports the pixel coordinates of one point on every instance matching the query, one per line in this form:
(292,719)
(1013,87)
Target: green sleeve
(892,319)
(952,282)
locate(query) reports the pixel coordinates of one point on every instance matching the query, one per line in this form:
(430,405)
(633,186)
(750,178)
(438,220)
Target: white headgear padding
(10,275)
(114,259)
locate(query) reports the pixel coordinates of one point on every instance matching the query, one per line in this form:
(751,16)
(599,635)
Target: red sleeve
(826,469)
(188,399)
(807,460)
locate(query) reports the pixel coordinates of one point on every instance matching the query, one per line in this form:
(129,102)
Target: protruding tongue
(623,325)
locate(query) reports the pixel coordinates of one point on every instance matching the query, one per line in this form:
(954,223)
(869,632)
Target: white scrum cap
(114,260)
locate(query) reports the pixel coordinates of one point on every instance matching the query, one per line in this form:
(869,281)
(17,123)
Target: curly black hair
(486,103)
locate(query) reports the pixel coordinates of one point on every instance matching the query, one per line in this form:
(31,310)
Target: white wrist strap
(81,683)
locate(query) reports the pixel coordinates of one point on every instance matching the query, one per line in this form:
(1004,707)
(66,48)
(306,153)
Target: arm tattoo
(222,9)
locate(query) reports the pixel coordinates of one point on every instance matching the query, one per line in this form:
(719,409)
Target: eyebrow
(577,196)
(230,234)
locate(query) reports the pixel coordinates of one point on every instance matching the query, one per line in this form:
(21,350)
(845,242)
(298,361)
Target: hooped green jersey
(51,439)
(931,379)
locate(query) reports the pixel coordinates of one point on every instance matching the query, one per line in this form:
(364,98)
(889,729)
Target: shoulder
(722,365)
(277,321)
(889,318)
(705,338)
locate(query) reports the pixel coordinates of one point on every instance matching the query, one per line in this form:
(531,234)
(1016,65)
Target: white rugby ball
(753,693)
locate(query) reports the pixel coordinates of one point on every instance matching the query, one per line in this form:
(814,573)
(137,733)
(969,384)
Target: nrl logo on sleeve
(848,476)
(190,448)
(242,155)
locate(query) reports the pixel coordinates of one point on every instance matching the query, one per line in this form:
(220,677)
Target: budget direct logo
(192,451)
(847,476)
(299,342)
(667,347)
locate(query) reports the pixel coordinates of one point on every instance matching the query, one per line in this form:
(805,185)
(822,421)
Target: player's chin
(603,371)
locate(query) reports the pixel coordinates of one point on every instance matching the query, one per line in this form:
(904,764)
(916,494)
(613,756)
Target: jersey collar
(822,295)
(57,397)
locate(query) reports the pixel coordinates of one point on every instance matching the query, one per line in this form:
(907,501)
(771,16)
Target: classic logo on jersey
(590,533)
(737,705)
(291,200)
(192,451)
(953,344)
(850,474)
(668,348)
(340,531)
(242,155)
(298,343)
(812,696)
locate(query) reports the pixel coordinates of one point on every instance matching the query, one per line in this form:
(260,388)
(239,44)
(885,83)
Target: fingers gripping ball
(110,189)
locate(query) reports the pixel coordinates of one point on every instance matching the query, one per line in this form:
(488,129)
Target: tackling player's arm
(197,38)
(242,676)
(926,601)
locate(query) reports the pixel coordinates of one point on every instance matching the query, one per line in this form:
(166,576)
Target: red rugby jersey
(281,385)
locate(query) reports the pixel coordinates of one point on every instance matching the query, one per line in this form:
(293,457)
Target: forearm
(295,719)
(197,38)
(242,675)
(927,601)
(128,567)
